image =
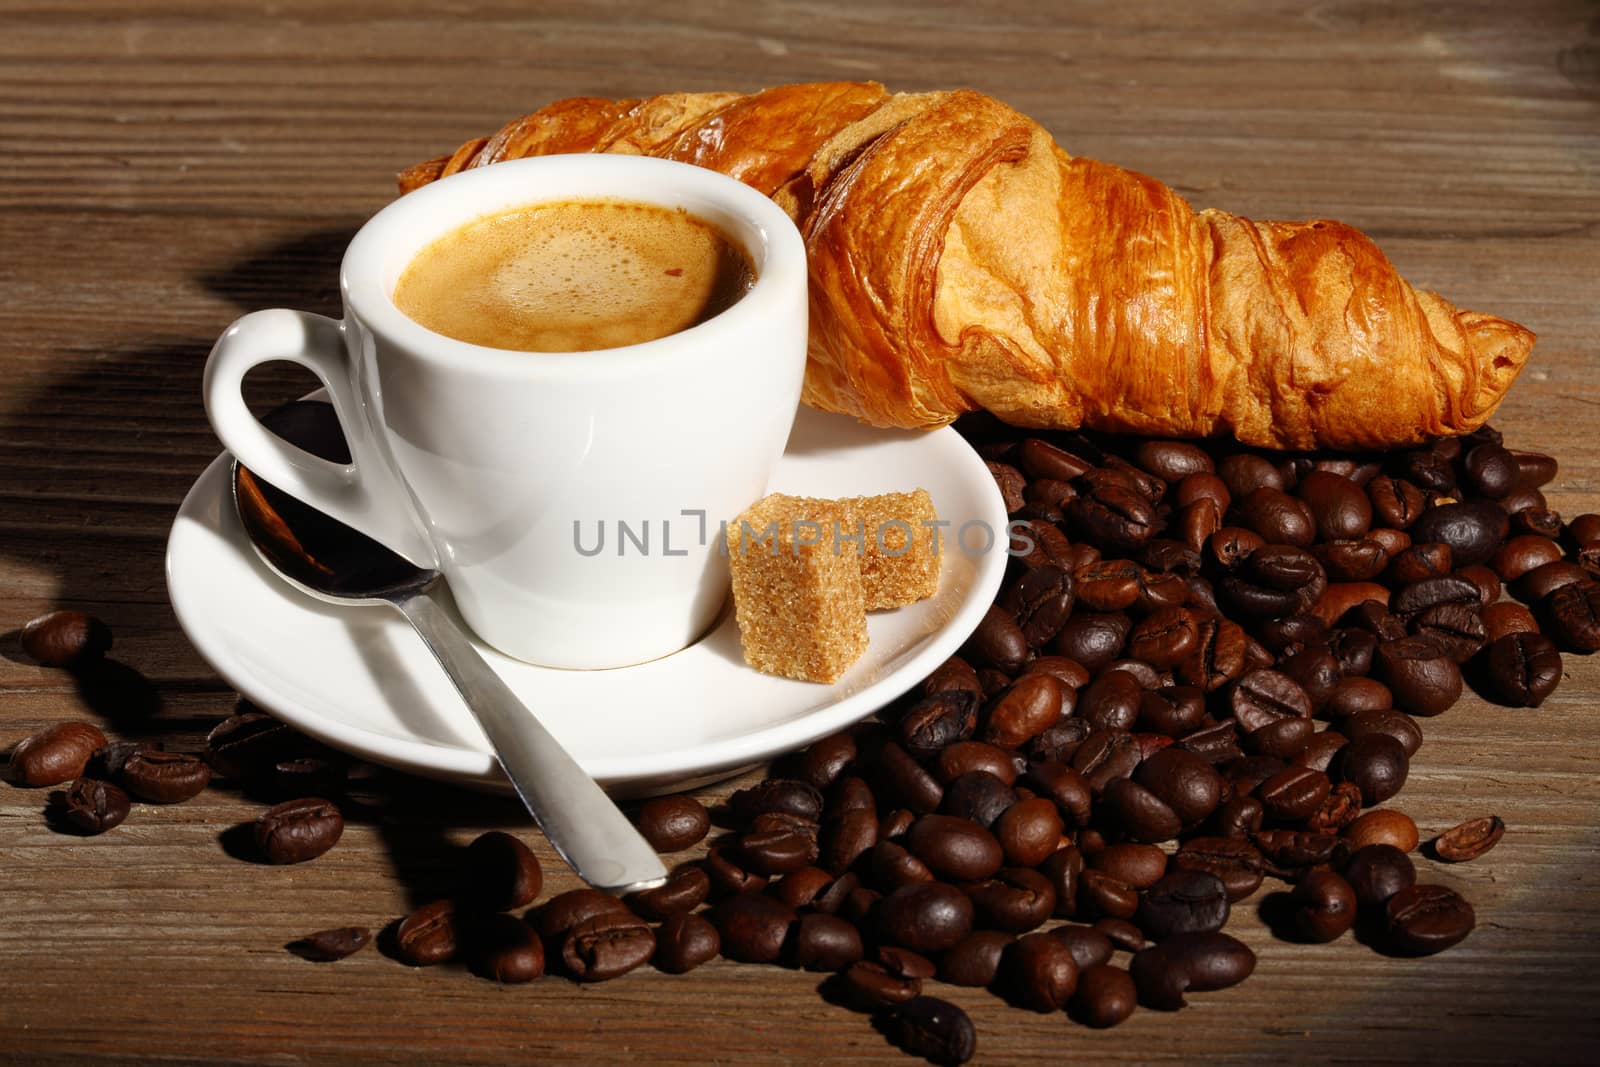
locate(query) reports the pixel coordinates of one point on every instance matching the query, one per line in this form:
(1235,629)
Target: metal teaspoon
(332,562)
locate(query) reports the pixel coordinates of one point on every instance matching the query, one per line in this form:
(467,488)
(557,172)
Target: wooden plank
(165,168)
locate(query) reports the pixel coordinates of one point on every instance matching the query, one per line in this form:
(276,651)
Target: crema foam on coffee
(574,276)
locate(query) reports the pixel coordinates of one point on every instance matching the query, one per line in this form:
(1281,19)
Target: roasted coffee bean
(1376,764)
(252,742)
(788,795)
(1294,793)
(1045,498)
(1173,711)
(824,761)
(889,866)
(825,943)
(1106,996)
(1431,468)
(1105,756)
(975,960)
(1538,584)
(1284,739)
(688,887)
(837,751)
(1279,518)
(1141,866)
(1010,482)
(1214,744)
(1368,610)
(1184,782)
(1352,696)
(1111,702)
(1378,872)
(850,793)
(979,796)
(1122,934)
(998,642)
(1245,775)
(1573,615)
(1421,563)
(1340,809)
(1583,529)
(1522,554)
(1063,868)
(729,875)
(1521,669)
(1015,899)
(1141,814)
(684,942)
(1353,651)
(109,759)
(55,754)
(556,917)
(1218,657)
(1338,506)
(1320,752)
(1173,461)
(164,777)
(90,806)
(1112,515)
(1541,522)
(1184,901)
(1230,546)
(1469,840)
(924,916)
(1163,555)
(1029,831)
(781,822)
(65,639)
(1417,597)
(1070,673)
(503,873)
(1492,471)
(872,986)
(1147,676)
(1060,742)
(938,720)
(1202,486)
(603,947)
(1189,963)
(1237,863)
(504,949)
(1396,502)
(1040,459)
(1107,585)
(955,848)
(326,946)
(429,935)
(1352,561)
(1025,710)
(1261,697)
(1040,599)
(1488,583)
(1101,895)
(1093,638)
(773,852)
(907,781)
(1292,632)
(1473,530)
(1384,826)
(964,757)
(1245,472)
(1324,906)
(1456,628)
(298,830)
(1041,972)
(1398,725)
(674,823)
(847,838)
(1421,920)
(1166,637)
(1423,678)
(1316,671)
(934,1029)
(1286,851)
(831,900)
(1239,817)
(754,927)
(1036,542)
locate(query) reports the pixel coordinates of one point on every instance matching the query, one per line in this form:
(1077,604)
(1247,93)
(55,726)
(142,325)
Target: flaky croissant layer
(961,260)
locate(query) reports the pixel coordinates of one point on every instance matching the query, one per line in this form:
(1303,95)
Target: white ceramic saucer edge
(206,523)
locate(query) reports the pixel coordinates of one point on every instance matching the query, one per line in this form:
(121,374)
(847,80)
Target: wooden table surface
(166,167)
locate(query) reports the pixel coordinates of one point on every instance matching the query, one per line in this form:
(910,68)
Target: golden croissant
(960,259)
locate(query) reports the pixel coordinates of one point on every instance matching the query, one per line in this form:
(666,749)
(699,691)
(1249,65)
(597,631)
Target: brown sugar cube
(796,595)
(894,573)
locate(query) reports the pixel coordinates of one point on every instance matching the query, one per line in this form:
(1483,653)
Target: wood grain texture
(165,167)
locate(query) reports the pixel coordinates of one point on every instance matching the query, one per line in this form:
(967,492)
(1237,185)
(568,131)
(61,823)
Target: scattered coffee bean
(1384,826)
(1185,901)
(65,639)
(934,1029)
(326,946)
(825,943)
(1378,872)
(1042,972)
(924,916)
(1324,906)
(603,947)
(673,823)
(1421,920)
(55,754)
(975,959)
(1469,840)
(1189,963)
(1105,996)
(428,935)
(873,986)
(90,806)
(502,872)
(557,917)
(298,830)
(685,941)
(164,777)
(504,949)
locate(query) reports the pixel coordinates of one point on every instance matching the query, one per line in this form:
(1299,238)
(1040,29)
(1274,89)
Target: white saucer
(359,679)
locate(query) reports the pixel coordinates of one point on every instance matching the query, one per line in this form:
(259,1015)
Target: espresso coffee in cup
(574,276)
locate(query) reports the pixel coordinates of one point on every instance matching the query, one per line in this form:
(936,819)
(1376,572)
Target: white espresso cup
(506,469)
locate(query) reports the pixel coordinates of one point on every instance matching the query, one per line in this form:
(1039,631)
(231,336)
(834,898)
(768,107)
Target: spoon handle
(583,824)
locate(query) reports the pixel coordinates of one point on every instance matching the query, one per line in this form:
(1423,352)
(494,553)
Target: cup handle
(365,494)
